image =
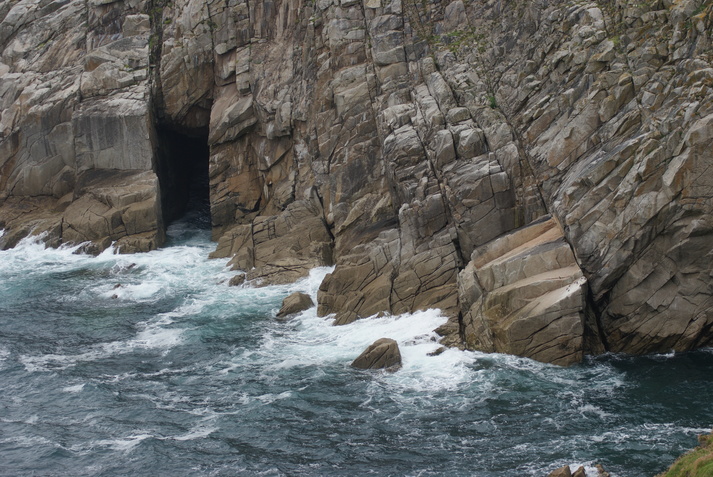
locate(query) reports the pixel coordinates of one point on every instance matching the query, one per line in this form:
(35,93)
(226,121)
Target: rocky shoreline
(539,171)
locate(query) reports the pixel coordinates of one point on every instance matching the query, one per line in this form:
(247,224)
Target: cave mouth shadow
(182,169)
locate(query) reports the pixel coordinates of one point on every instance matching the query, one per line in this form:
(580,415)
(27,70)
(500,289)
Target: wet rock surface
(295,303)
(403,142)
(381,354)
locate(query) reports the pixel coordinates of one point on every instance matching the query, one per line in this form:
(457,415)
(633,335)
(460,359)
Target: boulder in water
(237,280)
(561,472)
(580,472)
(381,354)
(295,303)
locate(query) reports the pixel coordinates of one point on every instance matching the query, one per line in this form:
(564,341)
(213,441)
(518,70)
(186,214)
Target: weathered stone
(382,354)
(527,296)
(295,303)
(580,472)
(394,148)
(561,472)
(281,248)
(237,280)
(601,472)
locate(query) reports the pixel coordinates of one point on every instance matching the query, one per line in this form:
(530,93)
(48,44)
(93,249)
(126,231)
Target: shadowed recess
(182,167)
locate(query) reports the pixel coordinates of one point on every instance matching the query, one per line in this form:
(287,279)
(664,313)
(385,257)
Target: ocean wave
(152,338)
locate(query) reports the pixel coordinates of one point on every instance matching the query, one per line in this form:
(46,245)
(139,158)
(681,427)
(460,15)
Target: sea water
(150,364)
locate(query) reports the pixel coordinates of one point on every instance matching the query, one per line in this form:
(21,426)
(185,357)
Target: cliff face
(537,170)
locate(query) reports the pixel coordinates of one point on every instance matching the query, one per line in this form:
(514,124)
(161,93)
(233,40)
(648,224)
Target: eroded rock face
(76,131)
(403,142)
(381,354)
(527,296)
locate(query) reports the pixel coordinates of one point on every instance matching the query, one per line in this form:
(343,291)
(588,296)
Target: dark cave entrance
(182,169)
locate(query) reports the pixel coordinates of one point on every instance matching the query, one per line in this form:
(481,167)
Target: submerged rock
(295,303)
(383,353)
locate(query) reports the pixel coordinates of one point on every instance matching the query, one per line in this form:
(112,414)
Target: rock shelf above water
(412,145)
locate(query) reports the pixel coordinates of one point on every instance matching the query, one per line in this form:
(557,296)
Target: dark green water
(174,373)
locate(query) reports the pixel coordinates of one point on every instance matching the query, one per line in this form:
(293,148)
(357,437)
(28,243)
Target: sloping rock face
(295,303)
(402,141)
(383,353)
(76,132)
(528,297)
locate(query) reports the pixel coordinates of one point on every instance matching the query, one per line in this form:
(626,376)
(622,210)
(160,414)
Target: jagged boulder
(295,303)
(564,471)
(383,353)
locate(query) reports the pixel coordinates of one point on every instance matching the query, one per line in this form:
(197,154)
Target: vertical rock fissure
(155,12)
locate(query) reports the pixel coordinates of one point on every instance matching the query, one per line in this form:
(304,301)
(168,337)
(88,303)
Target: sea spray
(151,363)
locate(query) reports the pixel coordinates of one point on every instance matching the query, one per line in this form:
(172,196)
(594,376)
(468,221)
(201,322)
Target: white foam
(139,291)
(77,388)
(269,398)
(33,419)
(588,410)
(197,433)
(124,444)
(25,441)
(153,337)
(310,284)
(311,341)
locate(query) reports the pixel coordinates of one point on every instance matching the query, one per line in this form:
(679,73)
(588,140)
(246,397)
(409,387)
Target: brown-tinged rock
(382,354)
(561,472)
(295,303)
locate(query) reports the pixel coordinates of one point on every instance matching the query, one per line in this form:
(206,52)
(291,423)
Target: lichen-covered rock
(381,354)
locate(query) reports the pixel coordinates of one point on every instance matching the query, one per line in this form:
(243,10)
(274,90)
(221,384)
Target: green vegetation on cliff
(697,463)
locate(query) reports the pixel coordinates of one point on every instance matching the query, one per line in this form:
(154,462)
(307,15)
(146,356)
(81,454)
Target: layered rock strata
(526,295)
(77,135)
(414,145)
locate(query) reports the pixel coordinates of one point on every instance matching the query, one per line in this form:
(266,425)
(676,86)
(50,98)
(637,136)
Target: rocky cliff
(540,171)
